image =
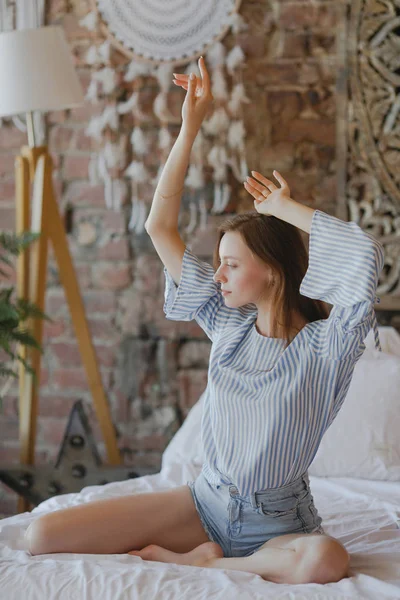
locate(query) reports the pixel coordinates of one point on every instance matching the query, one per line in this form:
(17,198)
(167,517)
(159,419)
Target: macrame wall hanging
(156,38)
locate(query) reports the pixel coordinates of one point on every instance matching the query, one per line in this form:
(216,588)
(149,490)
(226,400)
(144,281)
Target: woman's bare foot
(199,557)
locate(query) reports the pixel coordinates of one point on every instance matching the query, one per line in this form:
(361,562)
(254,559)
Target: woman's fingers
(279,177)
(268,184)
(258,186)
(204,74)
(255,193)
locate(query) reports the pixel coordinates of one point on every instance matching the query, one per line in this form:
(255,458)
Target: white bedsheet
(362,514)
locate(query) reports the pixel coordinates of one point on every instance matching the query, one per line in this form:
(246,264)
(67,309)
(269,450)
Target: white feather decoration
(139,143)
(218,159)
(238,97)
(192,67)
(114,154)
(217,123)
(102,167)
(104,51)
(137,171)
(110,117)
(93,172)
(195,178)
(216,55)
(226,194)
(92,92)
(108,197)
(164,138)
(92,56)
(235,58)
(192,218)
(217,198)
(219,88)
(203,214)
(95,128)
(135,69)
(138,216)
(119,193)
(236,133)
(244,169)
(89,21)
(163,74)
(107,77)
(237,23)
(160,107)
(132,105)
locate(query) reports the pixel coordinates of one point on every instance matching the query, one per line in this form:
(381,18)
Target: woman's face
(242,274)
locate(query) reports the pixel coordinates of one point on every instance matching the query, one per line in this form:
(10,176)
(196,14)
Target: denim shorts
(242,524)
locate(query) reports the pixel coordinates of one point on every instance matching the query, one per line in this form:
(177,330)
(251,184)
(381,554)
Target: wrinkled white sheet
(364,515)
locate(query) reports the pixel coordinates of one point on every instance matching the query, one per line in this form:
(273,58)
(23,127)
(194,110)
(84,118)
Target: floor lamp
(36,73)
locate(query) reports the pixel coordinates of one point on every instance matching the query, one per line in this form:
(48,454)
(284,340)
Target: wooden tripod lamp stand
(36,73)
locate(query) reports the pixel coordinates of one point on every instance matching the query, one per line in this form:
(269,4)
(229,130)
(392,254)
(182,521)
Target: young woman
(280,368)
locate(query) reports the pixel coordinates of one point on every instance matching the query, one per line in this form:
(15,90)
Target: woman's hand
(268,198)
(198,98)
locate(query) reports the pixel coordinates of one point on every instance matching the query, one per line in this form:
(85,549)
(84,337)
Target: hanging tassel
(136,69)
(192,219)
(92,92)
(235,58)
(195,177)
(108,192)
(92,56)
(226,194)
(237,23)
(114,154)
(216,55)
(218,123)
(89,21)
(238,97)
(137,171)
(217,198)
(164,139)
(119,194)
(107,77)
(244,169)
(160,108)
(139,143)
(95,128)
(93,172)
(104,51)
(219,88)
(203,214)
(236,134)
(163,74)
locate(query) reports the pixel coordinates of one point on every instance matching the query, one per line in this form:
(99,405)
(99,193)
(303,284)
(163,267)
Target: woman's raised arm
(164,211)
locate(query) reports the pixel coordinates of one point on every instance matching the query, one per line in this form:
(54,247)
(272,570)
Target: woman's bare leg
(290,558)
(118,525)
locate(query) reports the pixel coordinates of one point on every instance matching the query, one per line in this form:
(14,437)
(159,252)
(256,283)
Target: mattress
(363,514)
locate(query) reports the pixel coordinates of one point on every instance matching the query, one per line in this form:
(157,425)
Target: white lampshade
(36,72)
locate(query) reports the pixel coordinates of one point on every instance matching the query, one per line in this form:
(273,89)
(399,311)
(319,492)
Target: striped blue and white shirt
(266,408)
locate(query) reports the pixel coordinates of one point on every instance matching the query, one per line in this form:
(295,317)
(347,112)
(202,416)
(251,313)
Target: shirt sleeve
(199,297)
(344,267)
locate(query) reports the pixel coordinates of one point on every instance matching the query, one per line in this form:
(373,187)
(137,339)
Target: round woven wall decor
(159,31)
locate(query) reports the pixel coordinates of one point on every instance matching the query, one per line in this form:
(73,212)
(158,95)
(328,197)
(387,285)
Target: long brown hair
(280,246)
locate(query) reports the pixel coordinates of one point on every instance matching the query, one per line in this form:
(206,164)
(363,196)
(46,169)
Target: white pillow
(363,441)
(352,445)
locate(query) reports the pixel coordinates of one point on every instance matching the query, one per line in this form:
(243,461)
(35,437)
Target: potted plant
(14,312)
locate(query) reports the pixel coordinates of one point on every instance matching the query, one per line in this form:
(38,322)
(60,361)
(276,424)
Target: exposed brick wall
(290,80)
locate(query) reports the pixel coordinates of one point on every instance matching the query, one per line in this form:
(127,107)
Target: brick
(60,138)
(56,405)
(7,218)
(12,138)
(102,302)
(76,167)
(114,250)
(112,277)
(102,329)
(66,353)
(82,194)
(70,378)
(7,164)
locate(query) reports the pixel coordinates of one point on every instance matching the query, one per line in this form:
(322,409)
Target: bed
(354,478)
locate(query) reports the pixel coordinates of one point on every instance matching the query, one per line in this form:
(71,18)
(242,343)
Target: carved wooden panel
(369,128)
